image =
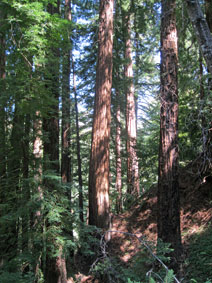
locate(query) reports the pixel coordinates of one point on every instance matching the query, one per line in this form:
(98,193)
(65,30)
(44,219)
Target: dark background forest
(105,141)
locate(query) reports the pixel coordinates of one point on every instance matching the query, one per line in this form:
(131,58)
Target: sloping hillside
(196,217)
(141,220)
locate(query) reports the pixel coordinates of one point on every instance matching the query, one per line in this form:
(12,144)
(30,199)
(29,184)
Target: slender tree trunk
(208,11)
(2,110)
(118,155)
(99,207)
(132,160)
(25,187)
(2,131)
(66,113)
(168,187)
(55,266)
(78,148)
(136,77)
(202,30)
(14,172)
(65,163)
(37,218)
(202,27)
(207,138)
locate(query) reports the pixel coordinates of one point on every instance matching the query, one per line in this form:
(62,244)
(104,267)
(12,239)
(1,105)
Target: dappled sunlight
(196,213)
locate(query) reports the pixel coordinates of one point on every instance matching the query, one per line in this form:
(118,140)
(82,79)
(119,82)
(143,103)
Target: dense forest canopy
(102,105)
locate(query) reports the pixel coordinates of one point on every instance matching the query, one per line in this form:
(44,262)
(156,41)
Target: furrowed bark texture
(202,30)
(168,188)
(132,160)
(99,160)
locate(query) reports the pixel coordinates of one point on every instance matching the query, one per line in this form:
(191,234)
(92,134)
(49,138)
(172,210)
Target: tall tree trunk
(132,160)
(37,218)
(202,30)
(118,155)
(66,112)
(2,130)
(25,188)
(55,266)
(99,207)
(78,148)
(2,104)
(207,127)
(14,173)
(168,187)
(65,163)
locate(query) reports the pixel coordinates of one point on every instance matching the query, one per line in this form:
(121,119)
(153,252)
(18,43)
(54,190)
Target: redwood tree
(55,265)
(168,187)
(131,129)
(99,159)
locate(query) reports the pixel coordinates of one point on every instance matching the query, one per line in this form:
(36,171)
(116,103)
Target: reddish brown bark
(79,162)
(132,160)
(99,160)
(168,187)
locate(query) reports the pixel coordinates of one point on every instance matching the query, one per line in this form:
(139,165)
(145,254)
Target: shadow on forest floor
(196,217)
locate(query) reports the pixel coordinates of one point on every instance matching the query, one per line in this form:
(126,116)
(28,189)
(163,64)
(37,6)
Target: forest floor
(140,220)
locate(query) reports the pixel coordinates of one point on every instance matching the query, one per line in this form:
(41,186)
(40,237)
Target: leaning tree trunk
(202,30)
(99,208)
(132,159)
(208,11)
(168,187)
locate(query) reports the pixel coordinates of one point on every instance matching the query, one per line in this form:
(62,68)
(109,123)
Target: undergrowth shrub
(199,260)
(144,267)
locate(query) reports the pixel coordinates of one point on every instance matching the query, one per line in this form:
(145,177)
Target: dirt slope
(196,213)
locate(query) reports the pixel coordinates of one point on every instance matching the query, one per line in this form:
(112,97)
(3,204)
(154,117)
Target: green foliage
(199,260)
(169,278)
(143,266)
(148,143)
(31,36)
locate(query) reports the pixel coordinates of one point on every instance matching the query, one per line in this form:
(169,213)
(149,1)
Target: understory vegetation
(79,181)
